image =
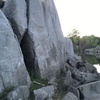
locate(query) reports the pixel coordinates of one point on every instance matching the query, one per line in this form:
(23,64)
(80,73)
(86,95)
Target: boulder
(46,36)
(44,93)
(53,81)
(70,96)
(19,93)
(16,12)
(69,48)
(90,68)
(84,77)
(68,80)
(90,91)
(74,91)
(12,68)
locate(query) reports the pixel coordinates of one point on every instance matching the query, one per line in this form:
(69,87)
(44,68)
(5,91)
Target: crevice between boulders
(29,54)
(28,50)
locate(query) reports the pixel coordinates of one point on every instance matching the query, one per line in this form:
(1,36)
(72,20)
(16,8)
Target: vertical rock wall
(38,30)
(44,30)
(12,68)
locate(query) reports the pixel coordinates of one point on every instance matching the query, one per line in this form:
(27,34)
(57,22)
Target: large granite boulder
(46,37)
(12,67)
(90,91)
(16,12)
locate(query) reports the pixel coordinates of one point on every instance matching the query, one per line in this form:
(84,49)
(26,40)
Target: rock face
(70,96)
(15,11)
(12,67)
(69,47)
(19,93)
(70,55)
(46,54)
(44,93)
(90,91)
(93,51)
(38,30)
(45,33)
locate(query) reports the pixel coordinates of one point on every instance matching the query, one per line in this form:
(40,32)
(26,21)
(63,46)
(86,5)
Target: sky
(83,15)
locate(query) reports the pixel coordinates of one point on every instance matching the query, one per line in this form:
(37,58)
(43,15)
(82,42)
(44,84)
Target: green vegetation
(3,95)
(86,42)
(90,59)
(38,83)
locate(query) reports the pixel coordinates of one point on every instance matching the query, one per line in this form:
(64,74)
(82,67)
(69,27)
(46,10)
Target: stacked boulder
(13,72)
(31,42)
(81,80)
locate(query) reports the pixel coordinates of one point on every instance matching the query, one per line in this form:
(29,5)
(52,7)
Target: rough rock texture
(70,96)
(44,93)
(46,35)
(42,42)
(15,11)
(68,79)
(47,54)
(69,47)
(90,91)
(19,93)
(12,67)
(70,51)
(84,77)
(90,68)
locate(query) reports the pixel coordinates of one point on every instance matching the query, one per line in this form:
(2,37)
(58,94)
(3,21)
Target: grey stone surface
(69,47)
(40,94)
(68,79)
(15,11)
(90,91)
(74,91)
(70,96)
(70,51)
(45,33)
(44,92)
(53,81)
(19,93)
(84,77)
(12,67)
(90,68)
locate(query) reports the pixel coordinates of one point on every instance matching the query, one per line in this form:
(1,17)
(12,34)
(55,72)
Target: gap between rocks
(27,46)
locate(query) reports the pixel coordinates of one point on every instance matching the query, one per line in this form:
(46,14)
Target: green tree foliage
(74,33)
(85,42)
(74,36)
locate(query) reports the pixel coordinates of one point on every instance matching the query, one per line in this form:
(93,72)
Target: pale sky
(83,15)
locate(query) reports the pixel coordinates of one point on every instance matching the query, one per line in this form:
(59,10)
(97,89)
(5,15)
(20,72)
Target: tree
(74,33)
(74,36)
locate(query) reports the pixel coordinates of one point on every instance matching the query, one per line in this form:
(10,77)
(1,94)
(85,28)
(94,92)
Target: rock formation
(32,43)
(40,33)
(93,51)
(12,67)
(45,32)
(15,11)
